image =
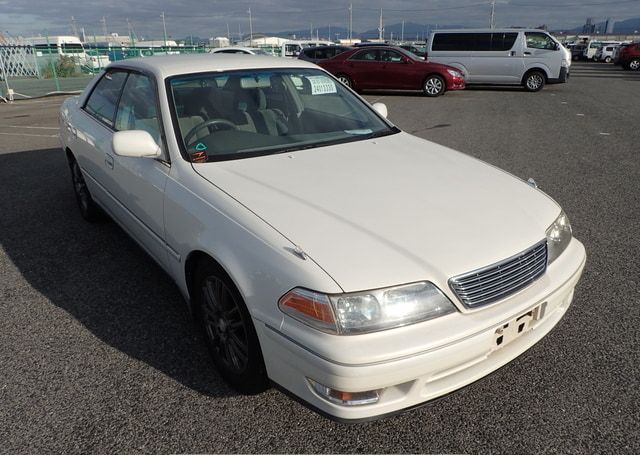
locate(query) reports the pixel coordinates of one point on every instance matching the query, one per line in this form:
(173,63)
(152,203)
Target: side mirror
(381,109)
(135,144)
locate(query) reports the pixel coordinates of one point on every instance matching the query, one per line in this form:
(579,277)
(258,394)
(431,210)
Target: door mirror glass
(135,144)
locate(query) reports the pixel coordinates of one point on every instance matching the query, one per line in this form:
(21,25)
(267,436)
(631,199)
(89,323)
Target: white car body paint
(346,206)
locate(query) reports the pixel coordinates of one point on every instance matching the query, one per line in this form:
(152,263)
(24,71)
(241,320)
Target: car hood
(390,210)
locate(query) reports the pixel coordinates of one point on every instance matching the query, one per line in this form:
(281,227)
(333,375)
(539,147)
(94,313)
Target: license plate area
(518,326)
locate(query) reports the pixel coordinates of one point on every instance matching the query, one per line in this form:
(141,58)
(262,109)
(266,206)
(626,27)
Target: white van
(68,46)
(526,57)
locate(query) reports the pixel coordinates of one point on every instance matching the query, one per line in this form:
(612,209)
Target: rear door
(364,68)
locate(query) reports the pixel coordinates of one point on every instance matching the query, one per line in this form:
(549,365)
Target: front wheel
(634,64)
(434,85)
(607,60)
(231,336)
(534,81)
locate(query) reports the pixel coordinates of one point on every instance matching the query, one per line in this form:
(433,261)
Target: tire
(88,208)
(634,65)
(434,85)
(607,59)
(533,81)
(346,80)
(229,332)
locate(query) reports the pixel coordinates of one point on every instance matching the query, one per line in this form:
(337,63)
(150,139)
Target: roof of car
(171,65)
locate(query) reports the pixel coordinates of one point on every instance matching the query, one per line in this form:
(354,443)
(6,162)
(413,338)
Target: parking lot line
(30,135)
(31,127)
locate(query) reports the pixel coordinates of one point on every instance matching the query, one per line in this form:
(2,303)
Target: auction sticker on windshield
(321,85)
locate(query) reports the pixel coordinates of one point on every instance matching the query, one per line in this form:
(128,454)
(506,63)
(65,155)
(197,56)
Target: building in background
(608,25)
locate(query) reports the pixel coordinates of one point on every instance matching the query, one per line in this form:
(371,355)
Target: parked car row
(454,58)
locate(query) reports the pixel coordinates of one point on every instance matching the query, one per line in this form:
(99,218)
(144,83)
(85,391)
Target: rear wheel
(231,336)
(346,80)
(634,64)
(533,81)
(88,208)
(434,85)
(607,59)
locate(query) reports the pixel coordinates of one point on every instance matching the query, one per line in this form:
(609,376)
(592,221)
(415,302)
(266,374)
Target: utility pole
(350,23)
(493,12)
(228,34)
(104,27)
(311,30)
(164,28)
(250,29)
(74,28)
(402,36)
(380,28)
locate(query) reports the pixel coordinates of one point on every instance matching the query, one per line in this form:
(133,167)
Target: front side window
(390,56)
(137,109)
(242,114)
(103,100)
(540,41)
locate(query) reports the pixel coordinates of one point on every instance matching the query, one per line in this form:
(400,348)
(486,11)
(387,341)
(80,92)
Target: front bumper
(563,77)
(410,380)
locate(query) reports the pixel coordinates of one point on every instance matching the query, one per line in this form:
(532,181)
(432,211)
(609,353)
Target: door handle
(512,53)
(108,160)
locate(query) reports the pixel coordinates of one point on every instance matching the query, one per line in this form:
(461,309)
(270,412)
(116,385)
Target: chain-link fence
(49,65)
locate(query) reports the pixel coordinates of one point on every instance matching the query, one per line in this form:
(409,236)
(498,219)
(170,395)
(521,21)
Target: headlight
(368,311)
(558,237)
(454,73)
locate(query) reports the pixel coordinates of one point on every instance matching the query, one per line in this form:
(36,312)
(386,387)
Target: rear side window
(103,100)
(503,41)
(473,41)
(453,42)
(368,55)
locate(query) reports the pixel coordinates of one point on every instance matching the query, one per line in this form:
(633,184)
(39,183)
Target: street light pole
(164,28)
(493,12)
(350,22)
(250,29)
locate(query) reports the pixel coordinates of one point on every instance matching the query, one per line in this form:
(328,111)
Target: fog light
(345,398)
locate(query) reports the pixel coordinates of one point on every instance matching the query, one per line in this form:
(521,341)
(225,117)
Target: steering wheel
(206,124)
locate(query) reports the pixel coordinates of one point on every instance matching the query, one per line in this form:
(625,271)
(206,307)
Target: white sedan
(361,269)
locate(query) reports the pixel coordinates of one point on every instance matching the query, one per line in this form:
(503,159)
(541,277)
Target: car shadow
(96,273)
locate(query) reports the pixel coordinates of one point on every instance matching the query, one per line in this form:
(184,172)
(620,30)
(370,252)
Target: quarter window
(103,100)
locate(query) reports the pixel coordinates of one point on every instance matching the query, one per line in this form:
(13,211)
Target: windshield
(241,114)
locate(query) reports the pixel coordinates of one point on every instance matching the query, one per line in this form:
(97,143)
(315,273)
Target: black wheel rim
(224,325)
(80,187)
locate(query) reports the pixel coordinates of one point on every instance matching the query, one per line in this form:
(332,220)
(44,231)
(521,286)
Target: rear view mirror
(381,109)
(135,144)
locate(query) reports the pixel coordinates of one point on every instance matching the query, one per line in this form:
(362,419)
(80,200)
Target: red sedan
(392,68)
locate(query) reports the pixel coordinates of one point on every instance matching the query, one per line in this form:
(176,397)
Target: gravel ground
(98,355)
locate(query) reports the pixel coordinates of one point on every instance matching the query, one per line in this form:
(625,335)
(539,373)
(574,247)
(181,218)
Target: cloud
(213,18)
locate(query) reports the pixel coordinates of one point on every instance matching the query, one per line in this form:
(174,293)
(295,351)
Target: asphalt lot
(98,355)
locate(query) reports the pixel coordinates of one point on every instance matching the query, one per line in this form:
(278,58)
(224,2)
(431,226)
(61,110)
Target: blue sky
(211,17)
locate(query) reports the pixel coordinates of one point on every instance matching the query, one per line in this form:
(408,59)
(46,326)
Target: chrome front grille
(497,281)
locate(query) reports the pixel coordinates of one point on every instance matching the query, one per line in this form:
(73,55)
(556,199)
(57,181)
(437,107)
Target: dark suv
(319,53)
(629,56)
